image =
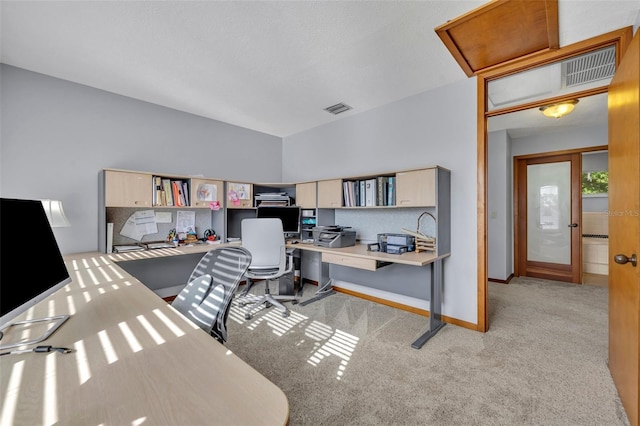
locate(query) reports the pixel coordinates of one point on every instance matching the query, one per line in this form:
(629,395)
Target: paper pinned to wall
(163,217)
(186,222)
(140,223)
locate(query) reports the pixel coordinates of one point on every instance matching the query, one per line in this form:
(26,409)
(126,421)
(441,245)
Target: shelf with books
(171,192)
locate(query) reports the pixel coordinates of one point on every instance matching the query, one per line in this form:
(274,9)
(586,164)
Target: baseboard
(495,280)
(407,308)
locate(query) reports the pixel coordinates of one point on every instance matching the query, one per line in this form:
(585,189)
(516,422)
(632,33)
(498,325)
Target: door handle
(622,259)
(573,225)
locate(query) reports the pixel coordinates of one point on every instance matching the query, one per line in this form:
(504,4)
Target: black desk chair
(207,297)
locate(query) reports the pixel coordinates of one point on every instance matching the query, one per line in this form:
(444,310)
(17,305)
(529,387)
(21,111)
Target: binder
(370,192)
(185,194)
(168,192)
(178,199)
(158,196)
(391,192)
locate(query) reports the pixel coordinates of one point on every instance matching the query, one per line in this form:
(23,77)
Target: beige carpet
(346,361)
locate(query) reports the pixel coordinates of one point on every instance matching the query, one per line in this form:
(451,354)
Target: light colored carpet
(347,361)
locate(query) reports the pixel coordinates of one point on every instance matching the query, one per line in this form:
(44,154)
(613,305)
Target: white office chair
(264,238)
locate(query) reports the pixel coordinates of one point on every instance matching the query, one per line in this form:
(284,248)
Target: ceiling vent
(338,108)
(591,67)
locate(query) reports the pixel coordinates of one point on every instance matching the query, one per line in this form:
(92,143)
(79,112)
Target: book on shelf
(178,194)
(185,193)
(158,197)
(370,192)
(168,192)
(391,192)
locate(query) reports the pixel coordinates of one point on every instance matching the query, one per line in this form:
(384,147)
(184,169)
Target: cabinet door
(127,189)
(330,194)
(306,195)
(205,191)
(416,188)
(239,195)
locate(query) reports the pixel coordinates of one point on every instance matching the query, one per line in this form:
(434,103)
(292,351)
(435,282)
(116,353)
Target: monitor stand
(58,321)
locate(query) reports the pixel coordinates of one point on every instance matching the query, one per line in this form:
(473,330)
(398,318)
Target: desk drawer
(353,262)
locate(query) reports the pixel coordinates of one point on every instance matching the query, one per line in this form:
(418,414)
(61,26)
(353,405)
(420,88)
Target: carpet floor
(347,361)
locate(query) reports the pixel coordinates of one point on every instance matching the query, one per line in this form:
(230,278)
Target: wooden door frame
(619,38)
(519,225)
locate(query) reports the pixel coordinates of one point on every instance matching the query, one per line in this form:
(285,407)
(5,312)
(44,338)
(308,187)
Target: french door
(547,217)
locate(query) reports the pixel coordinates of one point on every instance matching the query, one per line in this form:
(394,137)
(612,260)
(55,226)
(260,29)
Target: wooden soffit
(501,31)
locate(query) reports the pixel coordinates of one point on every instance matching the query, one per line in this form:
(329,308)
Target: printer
(333,236)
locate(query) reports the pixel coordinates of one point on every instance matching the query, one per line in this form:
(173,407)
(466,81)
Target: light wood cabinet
(205,191)
(330,194)
(416,188)
(127,189)
(306,195)
(239,195)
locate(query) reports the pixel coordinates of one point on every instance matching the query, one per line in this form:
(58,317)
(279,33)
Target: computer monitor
(32,265)
(290,216)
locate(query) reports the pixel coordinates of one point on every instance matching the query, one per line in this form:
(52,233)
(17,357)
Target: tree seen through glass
(595,182)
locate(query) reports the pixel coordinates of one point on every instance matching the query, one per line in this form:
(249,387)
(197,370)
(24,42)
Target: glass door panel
(549,212)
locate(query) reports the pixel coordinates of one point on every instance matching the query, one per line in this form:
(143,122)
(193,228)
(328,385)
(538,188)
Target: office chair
(206,299)
(264,238)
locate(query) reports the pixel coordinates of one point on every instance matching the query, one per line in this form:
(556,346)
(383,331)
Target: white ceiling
(270,66)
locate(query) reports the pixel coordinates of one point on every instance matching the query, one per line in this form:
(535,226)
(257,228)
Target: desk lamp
(55,213)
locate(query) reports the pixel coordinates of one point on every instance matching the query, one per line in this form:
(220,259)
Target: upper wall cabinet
(306,195)
(127,189)
(416,188)
(330,194)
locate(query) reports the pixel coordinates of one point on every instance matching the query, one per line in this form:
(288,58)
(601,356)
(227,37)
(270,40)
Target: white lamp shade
(55,213)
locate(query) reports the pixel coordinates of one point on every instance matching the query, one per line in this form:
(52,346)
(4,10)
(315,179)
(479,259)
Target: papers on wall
(186,222)
(140,223)
(163,217)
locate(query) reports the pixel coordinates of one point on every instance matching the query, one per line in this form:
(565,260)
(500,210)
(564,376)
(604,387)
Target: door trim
(620,38)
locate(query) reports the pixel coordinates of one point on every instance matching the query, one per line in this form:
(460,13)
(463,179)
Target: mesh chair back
(264,238)
(206,299)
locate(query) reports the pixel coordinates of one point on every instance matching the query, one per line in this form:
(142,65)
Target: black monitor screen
(32,265)
(290,216)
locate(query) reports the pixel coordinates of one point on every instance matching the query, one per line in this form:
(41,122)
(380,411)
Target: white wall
(57,136)
(437,127)
(499,206)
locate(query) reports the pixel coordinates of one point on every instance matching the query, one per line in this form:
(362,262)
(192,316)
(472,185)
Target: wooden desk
(358,257)
(136,361)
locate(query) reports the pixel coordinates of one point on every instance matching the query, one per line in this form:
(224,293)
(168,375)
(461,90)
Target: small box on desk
(393,243)
(385,240)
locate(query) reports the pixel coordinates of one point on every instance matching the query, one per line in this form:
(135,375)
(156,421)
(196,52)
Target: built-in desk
(359,257)
(136,360)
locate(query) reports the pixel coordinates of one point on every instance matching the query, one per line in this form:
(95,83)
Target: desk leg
(324,282)
(435,305)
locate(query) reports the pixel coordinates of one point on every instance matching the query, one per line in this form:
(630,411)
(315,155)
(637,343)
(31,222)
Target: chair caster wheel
(285,314)
(294,302)
(268,305)
(247,316)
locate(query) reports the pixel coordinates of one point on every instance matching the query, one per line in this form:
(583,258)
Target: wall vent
(591,67)
(338,108)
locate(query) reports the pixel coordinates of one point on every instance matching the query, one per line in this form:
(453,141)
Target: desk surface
(136,361)
(360,251)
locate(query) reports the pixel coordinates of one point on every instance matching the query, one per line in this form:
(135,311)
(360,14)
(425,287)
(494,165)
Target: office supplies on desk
(333,236)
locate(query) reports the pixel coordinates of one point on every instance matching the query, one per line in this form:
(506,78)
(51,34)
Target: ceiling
(270,66)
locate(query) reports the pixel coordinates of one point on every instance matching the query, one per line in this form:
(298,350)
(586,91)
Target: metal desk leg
(325,287)
(435,305)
